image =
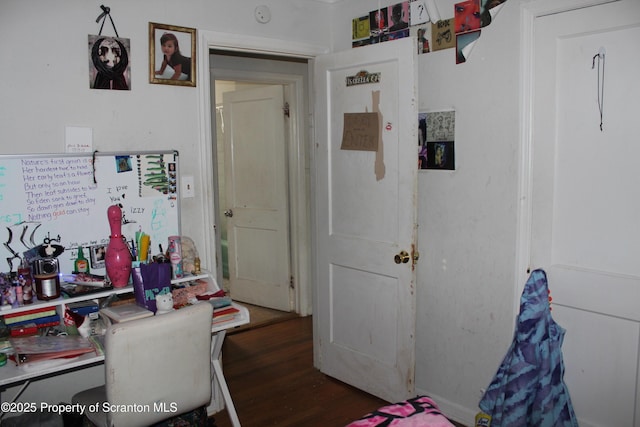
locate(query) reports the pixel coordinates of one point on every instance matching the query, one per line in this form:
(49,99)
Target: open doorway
(262,199)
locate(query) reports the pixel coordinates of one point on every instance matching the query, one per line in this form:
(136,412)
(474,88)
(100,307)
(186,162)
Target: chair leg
(217,368)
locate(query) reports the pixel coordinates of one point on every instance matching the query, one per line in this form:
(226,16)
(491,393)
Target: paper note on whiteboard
(361,131)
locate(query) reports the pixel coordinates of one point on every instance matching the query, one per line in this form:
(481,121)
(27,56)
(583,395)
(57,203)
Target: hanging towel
(528,389)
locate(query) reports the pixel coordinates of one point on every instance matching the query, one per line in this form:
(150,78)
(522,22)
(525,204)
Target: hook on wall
(106,11)
(599,57)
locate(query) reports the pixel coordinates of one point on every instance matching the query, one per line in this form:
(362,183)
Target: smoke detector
(262,14)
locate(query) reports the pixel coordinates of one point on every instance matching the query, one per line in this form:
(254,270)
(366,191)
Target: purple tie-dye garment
(529,389)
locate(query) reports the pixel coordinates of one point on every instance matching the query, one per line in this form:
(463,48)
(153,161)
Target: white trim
(538,8)
(263,45)
(234,42)
(529,12)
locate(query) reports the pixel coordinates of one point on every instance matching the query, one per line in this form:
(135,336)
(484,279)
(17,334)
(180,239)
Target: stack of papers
(40,348)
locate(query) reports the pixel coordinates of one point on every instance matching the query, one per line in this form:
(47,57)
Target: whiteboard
(63,199)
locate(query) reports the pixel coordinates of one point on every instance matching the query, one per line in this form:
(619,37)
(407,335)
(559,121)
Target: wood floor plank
(272,381)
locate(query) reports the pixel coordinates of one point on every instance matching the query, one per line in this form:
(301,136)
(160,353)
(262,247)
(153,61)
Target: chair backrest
(159,366)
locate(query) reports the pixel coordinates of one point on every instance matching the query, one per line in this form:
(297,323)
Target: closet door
(586,200)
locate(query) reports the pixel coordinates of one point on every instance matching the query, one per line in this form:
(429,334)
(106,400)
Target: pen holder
(149,281)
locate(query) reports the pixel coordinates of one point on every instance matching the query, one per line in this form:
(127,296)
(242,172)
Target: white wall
(467,234)
(44,83)
(467,216)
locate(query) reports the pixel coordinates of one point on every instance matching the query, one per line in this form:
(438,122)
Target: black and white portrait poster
(109,63)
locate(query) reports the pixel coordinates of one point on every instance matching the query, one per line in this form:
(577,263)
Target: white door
(364,313)
(586,201)
(257,197)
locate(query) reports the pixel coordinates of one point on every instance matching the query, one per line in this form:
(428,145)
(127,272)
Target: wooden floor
(272,381)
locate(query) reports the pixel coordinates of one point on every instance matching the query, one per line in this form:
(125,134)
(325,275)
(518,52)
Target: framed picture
(172,55)
(110,63)
(97,254)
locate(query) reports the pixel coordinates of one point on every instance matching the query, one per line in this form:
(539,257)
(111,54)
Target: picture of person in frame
(97,254)
(178,64)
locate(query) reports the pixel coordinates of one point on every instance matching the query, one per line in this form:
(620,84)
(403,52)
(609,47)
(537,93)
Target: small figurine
(164,303)
(8,295)
(189,255)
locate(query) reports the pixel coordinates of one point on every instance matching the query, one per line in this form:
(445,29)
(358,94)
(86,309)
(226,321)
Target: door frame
(529,12)
(301,222)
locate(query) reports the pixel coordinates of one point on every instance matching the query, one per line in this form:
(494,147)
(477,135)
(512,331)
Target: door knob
(228,213)
(402,257)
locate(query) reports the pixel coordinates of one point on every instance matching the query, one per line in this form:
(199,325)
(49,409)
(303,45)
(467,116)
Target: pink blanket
(420,411)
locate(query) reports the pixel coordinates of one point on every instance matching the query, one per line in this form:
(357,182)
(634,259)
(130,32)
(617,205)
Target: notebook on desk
(125,312)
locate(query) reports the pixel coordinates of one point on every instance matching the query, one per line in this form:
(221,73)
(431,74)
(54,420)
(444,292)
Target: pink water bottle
(175,256)
(118,257)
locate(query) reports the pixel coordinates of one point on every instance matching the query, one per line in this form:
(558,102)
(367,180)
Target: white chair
(160,364)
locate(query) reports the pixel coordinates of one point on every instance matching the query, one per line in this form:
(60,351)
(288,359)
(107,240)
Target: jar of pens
(152,275)
(141,250)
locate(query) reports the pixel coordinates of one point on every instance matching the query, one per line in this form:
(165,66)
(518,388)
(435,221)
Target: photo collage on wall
(381,25)
(417,19)
(436,136)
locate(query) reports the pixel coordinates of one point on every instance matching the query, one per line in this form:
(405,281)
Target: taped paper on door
(361,131)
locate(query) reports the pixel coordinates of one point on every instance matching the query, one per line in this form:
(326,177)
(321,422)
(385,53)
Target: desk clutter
(67,313)
(42,337)
(39,277)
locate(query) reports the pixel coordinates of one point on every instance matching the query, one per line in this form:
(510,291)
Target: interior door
(586,201)
(365,210)
(257,197)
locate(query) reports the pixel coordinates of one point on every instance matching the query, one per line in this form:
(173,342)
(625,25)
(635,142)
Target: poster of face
(109,63)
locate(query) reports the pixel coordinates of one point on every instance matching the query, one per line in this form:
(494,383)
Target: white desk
(219,332)
(10,374)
